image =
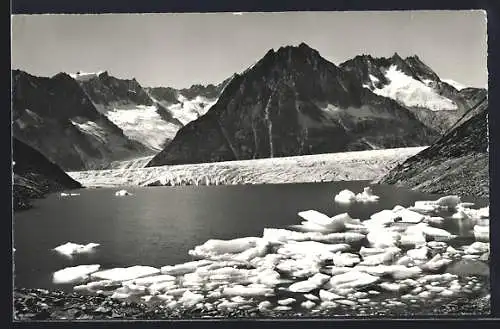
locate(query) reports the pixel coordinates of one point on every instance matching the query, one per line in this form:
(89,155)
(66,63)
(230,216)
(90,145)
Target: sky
(179,50)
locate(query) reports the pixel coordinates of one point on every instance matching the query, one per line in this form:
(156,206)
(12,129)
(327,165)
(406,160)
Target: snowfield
(144,125)
(360,165)
(412,93)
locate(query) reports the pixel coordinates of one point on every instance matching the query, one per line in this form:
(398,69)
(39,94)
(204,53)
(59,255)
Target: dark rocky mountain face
(448,104)
(35,175)
(55,116)
(294,102)
(105,90)
(457,163)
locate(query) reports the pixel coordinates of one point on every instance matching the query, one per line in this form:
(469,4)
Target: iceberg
(436,264)
(125,274)
(311,249)
(213,247)
(122,193)
(307,304)
(312,283)
(408,216)
(345,259)
(353,279)
(367,195)
(419,253)
(317,221)
(388,256)
(150,280)
(74,274)
(450,201)
(190,299)
(382,238)
(181,269)
(246,291)
(286,301)
(477,248)
(325,295)
(71,248)
(345,196)
(482,232)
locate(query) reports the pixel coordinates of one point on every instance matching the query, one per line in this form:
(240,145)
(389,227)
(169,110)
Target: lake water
(158,225)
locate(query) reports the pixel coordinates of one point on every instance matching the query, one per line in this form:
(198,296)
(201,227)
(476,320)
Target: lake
(156,226)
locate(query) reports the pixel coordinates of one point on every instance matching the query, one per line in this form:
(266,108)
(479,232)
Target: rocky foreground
(40,304)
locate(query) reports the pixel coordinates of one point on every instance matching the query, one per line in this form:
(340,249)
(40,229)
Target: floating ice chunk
(434,231)
(312,283)
(391,286)
(74,274)
(403,272)
(95,285)
(282,308)
(311,249)
(247,291)
(181,269)
(325,295)
(345,196)
(307,304)
(149,280)
(276,235)
(482,232)
(436,263)
(161,286)
(125,274)
(425,207)
(434,220)
(345,259)
(450,201)
(460,214)
(328,304)
(404,260)
(147,298)
(264,305)
(465,204)
(408,216)
(69,194)
(302,267)
(477,248)
(418,253)
(122,193)
(190,299)
(347,237)
(367,195)
(381,218)
(219,247)
(412,238)
(311,297)
(71,248)
(382,238)
(286,301)
(316,220)
(353,279)
(365,251)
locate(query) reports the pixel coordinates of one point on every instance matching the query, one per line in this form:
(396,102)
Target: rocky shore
(40,304)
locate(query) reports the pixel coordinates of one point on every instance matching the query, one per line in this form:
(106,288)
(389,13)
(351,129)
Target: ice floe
(74,274)
(347,196)
(323,263)
(122,193)
(71,248)
(125,274)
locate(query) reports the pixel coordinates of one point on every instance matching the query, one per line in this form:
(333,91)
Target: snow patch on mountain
(411,92)
(190,109)
(143,124)
(457,85)
(91,128)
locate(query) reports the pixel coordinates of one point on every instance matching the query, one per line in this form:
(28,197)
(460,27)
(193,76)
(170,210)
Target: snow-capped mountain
(56,117)
(294,102)
(187,104)
(126,104)
(457,85)
(412,84)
